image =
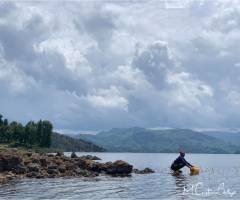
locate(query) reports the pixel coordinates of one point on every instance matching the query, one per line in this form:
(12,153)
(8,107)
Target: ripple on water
(160,185)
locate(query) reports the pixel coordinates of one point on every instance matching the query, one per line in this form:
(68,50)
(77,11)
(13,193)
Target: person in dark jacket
(180,162)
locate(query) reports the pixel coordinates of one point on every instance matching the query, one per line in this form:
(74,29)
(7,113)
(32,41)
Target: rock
(10,176)
(74,155)
(33,167)
(119,167)
(20,163)
(62,169)
(43,161)
(83,163)
(79,171)
(2,164)
(90,157)
(20,169)
(29,154)
(52,171)
(9,162)
(33,174)
(52,167)
(70,166)
(35,160)
(95,167)
(59,154)
(144,171)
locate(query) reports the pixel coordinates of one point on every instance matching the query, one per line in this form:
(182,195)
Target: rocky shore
(16,163)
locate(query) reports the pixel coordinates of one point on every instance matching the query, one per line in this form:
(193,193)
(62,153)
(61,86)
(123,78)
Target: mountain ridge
(137,139)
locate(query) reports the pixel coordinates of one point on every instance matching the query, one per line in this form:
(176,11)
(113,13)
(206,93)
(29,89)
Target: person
(180,162)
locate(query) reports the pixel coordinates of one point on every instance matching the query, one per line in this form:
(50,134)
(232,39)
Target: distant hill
(67,143)
(229,137)
(171,140)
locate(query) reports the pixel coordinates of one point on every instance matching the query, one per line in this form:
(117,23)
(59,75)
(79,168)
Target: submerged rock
(144,171)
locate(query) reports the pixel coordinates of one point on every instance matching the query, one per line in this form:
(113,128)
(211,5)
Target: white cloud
(108,98)
(90,65)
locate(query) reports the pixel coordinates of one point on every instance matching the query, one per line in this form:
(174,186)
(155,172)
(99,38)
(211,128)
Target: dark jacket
(179,163)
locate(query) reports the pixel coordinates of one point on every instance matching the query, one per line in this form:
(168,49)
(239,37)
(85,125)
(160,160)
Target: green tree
(46,134)
(31,133)
(1,121)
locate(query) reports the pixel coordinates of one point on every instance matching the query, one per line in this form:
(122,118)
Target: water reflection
(181,181)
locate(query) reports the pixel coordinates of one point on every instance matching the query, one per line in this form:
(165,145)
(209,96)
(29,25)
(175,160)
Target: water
(219,179)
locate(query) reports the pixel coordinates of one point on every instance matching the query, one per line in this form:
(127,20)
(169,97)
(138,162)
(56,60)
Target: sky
(95,65)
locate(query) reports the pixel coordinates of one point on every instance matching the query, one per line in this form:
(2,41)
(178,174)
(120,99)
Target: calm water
(219,179)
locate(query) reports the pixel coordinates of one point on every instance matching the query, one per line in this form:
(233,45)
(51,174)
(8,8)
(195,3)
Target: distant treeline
(32,134)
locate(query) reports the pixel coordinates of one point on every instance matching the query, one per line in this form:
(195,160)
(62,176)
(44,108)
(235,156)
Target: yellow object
(194,171)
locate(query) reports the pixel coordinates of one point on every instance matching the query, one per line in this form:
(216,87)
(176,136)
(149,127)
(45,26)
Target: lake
(219,179)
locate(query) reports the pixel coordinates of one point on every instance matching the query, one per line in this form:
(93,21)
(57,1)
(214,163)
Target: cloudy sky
(94,65)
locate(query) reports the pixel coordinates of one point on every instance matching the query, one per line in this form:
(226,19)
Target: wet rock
(144,171)
(90,157)
(43,161)
(74,155)
(29,153)
(33,174)
(35,160)
(52,171)
(52,167)
(70,166)
(59,154)
(33,167)
(62,169)
(83,163)
(9,162)
(95,167)
(119,167)
(20,169)
(79,171)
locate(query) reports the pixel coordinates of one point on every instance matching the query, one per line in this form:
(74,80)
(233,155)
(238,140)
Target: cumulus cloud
(92,66)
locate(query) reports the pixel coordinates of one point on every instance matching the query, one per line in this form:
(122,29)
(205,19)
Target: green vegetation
(39,136)
(163,141)
(66,143)
(36,134)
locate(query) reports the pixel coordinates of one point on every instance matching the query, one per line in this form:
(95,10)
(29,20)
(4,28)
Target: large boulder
(119,167)
(9,162)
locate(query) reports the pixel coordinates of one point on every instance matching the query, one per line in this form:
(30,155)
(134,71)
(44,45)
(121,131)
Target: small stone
(74,155)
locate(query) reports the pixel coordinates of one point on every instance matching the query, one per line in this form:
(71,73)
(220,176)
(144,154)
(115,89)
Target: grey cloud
(99,24)
(88,73)
(6,8)
(155,61)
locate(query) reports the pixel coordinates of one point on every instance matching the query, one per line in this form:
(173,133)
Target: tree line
(32,134)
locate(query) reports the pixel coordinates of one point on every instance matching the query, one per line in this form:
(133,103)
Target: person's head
(182,153)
